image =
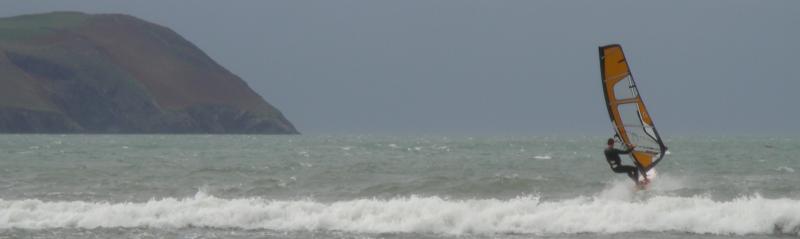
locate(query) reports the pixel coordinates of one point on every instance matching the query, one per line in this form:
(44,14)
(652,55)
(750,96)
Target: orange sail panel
(627,111)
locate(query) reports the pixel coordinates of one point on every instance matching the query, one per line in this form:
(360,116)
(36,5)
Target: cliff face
(68,72)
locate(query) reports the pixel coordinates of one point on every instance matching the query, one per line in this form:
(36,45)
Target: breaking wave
(530,215)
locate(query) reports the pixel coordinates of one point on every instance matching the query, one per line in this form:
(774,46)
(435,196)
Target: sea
(384,186)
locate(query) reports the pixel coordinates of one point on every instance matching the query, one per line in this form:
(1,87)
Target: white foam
(619,190)
(745,215)
(307,165)
(542,157)
(625,190)
(443,148)
(304,154)
(785,169)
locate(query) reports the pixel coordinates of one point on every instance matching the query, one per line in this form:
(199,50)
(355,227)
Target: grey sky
(495,67)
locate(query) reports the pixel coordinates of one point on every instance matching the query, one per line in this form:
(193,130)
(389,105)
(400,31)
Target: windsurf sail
(632,123)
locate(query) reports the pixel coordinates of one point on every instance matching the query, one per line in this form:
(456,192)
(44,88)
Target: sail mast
(627,110)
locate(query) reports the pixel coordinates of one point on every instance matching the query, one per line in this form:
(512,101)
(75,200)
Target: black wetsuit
(612,156)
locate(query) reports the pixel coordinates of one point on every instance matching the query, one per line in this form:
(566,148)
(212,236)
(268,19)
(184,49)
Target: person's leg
(631,171)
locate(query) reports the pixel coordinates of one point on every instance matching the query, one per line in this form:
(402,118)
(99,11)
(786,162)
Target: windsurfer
(612,156)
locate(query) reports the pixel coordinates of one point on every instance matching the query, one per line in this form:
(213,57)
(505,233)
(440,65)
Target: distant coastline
(70,72)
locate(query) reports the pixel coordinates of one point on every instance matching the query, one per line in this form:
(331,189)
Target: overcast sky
(493,67)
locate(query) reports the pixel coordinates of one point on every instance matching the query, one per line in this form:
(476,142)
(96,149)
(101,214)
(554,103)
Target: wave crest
(530,215)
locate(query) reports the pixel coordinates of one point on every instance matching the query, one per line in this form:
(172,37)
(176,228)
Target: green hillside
(112,73)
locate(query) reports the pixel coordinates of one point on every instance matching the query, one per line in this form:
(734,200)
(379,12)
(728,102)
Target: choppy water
(157,186)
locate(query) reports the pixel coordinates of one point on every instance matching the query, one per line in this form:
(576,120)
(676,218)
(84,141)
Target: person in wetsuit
(612,156)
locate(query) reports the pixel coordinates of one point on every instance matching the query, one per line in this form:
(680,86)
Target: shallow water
(188,186)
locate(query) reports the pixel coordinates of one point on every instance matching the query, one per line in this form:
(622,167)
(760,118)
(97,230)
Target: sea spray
(745,215)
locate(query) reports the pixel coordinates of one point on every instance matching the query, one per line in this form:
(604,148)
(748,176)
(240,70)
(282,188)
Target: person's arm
(629,150)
